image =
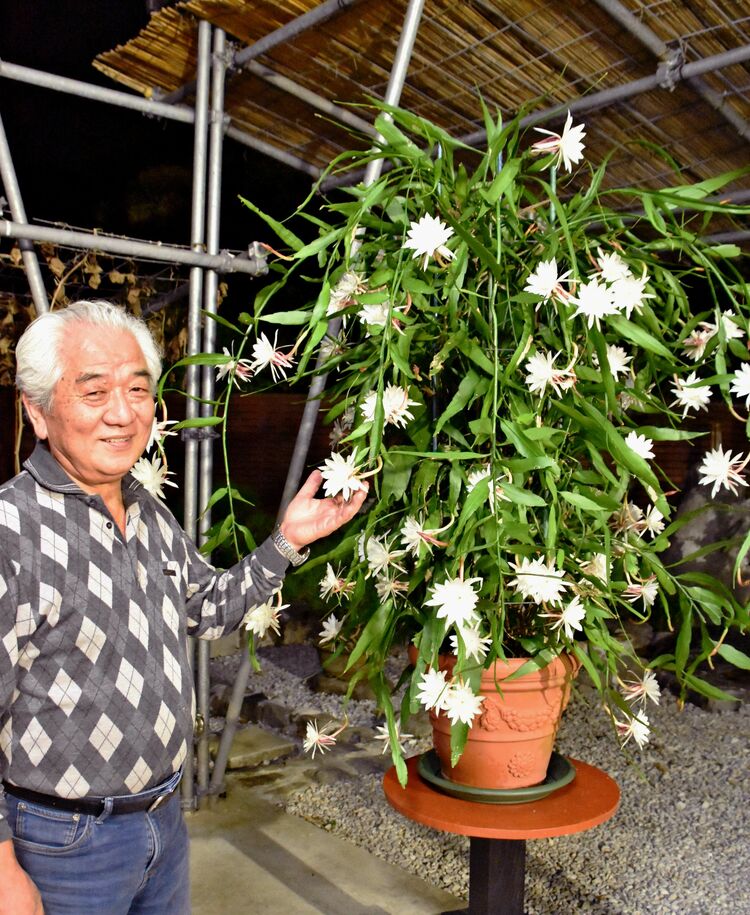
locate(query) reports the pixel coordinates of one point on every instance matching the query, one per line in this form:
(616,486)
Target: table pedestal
(498,832)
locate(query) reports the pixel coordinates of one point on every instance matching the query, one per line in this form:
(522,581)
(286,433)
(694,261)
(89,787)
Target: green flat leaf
(596,502)
(636,334)
(286,235)
(287,317)
(502,182)
(734,656)
(520,496)
(198,421)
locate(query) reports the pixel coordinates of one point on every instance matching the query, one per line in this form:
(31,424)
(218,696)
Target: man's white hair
(38,363)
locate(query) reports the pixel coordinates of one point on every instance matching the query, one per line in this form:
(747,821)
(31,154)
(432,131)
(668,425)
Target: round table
(499,831)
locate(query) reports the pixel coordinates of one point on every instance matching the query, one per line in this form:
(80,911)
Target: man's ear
(37,417)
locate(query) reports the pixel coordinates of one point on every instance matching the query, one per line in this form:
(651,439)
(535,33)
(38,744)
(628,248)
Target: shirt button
(109,525)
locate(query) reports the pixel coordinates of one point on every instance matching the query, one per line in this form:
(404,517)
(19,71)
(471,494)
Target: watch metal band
(287,550)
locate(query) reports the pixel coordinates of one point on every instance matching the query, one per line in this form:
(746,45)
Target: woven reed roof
(513,52)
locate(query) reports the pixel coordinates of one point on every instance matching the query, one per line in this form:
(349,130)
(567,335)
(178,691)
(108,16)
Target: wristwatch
(286,549)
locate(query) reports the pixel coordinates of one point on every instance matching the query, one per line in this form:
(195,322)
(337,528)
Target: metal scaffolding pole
(310,412)
(272,152)
(210,292)
(223,263)
(627,90)
(30,262)
(97,93)
(595,100)
(313,99)
(197,228)
(155,107)
(297,26)
(673,60)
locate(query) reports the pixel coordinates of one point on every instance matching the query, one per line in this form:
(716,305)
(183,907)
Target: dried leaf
(116,277)
(95,281)
(56,266)
(15,255)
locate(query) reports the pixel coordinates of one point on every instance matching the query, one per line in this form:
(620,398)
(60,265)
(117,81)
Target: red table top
(591,798)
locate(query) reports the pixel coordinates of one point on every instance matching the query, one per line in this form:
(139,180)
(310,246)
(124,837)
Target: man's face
(102,410)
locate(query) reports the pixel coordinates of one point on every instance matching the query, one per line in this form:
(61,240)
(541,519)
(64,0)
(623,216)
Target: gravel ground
(678,843)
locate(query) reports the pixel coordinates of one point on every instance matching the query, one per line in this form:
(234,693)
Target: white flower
(741,383)
(432,689)
(611,266)
(629,518)
(414,535)
(460,703)
(342,294)
(538,580)
(653,523)
(640,690)
(636,727)
(331,627)
(240,368)
(545,281)
(689,394)
(384,735)
(260,619)
(387,587)
(332,583)
(569,618)
(396,405)
(568,146)
(483,473)
(375,314)
(411,535)
(321,739)
(722,468)
(266,353)
(541,371)
(628,294)
(455,600)
(694,346)
(160,431)
(618,360)
(427,236)
(475,645)
(730,328)
(379,555)
(596,567)
(594,301)
(646,590)
(341,475)
(152,475)
(642,445)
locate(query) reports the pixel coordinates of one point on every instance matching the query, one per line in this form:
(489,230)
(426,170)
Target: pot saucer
(560,772)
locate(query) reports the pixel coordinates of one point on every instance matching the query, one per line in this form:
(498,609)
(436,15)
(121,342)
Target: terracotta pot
(510,741)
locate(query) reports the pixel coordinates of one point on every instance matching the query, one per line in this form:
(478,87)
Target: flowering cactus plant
(504,343)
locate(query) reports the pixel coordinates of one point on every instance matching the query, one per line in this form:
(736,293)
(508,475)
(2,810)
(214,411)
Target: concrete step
(253,746)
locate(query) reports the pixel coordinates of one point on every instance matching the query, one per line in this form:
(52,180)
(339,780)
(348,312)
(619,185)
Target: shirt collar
(47,472)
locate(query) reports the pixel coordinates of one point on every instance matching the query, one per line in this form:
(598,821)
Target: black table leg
(496,876)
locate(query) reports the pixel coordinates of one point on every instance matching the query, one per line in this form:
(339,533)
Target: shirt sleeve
(8,659)
(217,601)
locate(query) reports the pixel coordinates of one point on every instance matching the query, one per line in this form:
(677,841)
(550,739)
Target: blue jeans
(122,864)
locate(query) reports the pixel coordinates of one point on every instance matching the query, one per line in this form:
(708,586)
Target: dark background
(90,164)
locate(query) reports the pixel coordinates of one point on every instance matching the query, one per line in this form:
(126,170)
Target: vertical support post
(210,293)
(17,211)
(194,322)
(312,404)
(496,876)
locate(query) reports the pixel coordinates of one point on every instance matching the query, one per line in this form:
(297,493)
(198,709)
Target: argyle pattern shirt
(96,690)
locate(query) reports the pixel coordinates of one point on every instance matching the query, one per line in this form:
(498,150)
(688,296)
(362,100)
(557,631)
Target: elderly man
(99,590)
